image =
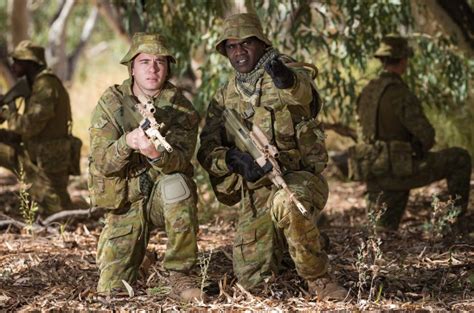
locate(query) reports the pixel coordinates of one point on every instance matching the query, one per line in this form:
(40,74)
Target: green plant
(370,254)
(204,262)
(28,207)
(443,216)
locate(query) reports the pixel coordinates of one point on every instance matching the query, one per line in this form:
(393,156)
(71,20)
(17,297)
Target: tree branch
(85,35)
(56,51)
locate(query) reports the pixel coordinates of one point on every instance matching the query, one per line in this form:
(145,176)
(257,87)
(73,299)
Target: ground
(418,267)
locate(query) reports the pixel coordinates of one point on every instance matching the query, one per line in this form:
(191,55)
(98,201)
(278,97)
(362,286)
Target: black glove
(282,76)
(242,163)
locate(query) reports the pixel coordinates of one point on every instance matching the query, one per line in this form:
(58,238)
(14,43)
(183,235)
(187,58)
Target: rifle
(150,126)
(264,153)
(20,89)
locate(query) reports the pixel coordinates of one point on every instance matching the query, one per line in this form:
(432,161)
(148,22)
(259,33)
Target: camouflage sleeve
(182,136)
(300,95)
(109,150)
(211,154)
(39,109)
(413,118)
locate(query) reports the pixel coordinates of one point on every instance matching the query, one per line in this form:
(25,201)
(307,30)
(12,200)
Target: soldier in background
(283,102)
(38,140)
(398,136)
(140,186)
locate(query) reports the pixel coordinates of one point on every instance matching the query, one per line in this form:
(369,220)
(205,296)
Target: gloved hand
(282,76)
(242,163)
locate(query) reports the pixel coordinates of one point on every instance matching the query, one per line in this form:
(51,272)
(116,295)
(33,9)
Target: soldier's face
(244,54)
(150,72)
(19,68)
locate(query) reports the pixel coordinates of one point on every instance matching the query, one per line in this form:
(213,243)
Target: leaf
(129,288)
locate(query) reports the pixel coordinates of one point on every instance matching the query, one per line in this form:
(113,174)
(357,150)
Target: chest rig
(299,139)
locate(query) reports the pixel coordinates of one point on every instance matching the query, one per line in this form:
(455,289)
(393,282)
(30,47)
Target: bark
(86,33)
(113,18)
(18,22)
(56,50)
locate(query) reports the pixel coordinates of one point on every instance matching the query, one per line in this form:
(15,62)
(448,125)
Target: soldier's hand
(281,75)
(242,163)
(137,139)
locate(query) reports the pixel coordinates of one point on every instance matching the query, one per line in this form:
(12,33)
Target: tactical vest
(57,126)
(135,181)
(51,148)
(299,139)
(368,106)
(374,157)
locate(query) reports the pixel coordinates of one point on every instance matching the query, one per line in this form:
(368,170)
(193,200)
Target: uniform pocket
(121,232)
(107,192)
(311,143)
(401,158)
(54,156)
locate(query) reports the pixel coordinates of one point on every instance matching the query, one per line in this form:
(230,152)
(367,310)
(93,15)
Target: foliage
(443,216)
(339,36)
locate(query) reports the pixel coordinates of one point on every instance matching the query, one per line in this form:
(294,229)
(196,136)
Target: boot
(325,288)
(184,287)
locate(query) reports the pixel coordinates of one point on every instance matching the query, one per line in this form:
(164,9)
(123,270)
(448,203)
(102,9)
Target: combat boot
(184,287)
(325,288)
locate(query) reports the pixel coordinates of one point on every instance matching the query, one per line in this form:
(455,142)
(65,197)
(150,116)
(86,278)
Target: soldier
(283,102)
(39,139)
(141,186)
(399,137)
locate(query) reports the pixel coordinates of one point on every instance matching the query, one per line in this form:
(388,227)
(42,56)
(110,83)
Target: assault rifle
(20,89)
(265,154)
(150,126)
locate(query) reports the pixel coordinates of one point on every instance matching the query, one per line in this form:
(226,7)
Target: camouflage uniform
(42,146)
(269,223)
(140,193)
(391,116)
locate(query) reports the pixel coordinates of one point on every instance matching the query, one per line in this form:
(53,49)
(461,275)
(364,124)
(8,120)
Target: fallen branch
(43,224)
(70,213)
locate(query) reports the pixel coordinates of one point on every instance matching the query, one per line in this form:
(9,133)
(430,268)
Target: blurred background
(86,39)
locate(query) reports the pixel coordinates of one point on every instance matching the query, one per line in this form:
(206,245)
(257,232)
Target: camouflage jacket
(44,125)
(388,111)
(284,115)
(115,168)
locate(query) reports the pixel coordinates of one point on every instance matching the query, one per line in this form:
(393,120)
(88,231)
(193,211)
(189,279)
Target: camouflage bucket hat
(28,51)
(147,43)
(241,26)
(394,46)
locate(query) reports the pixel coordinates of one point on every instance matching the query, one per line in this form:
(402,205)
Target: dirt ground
(418,268)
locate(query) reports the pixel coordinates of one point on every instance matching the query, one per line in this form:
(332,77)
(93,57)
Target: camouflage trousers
(270,224)
(48,189)
(452,164)
(123,241)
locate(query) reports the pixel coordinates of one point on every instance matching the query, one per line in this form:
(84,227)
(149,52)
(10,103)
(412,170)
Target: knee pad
(174,188)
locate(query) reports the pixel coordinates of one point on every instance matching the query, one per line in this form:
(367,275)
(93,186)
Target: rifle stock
(264,153)
(150,126)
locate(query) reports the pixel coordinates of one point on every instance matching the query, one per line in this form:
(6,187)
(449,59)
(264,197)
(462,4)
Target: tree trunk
(113,19)
(18,22)
(85,35)
(56,50)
